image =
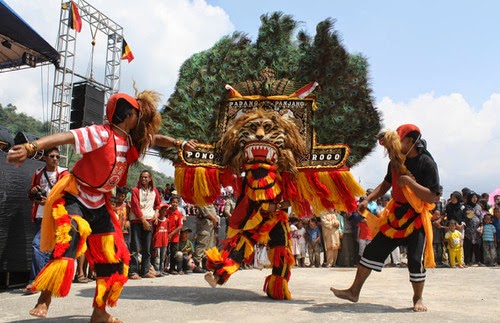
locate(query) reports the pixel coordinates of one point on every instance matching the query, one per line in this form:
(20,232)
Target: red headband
(111,106)
(405,129)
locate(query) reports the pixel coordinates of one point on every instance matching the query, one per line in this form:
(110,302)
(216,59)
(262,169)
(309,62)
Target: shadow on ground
(69,318)
(192,295)
(354,308)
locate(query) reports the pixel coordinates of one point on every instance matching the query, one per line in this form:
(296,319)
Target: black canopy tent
(21,45)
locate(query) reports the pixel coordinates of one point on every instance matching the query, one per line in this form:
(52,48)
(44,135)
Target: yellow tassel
(200,186)
(264,238)
(52,276)
(108,248)
(232,269)
(334,196)
(48,231)
(84,231)
(231,232)
(214,254)
(244,242)
(179,180)
(125,270)
(100,291)
(114,293)
(352,184)
(305,191)
(253,222)
(62,233)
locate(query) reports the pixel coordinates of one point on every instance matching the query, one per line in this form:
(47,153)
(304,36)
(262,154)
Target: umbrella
(492,196)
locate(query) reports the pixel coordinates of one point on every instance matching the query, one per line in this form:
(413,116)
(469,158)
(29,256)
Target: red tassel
(213,182)
(290,189)
(239,213)
(68,278)
(345,194)
(321,190)
(188,191)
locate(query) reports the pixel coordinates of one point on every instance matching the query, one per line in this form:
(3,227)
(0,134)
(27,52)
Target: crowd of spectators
(465,233)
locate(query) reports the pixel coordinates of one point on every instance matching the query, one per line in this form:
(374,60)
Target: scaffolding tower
(66,46)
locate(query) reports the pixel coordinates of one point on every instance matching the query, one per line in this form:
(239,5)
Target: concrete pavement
(452,295)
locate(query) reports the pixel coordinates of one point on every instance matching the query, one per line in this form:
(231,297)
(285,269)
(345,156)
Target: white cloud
(159,164)
(161,34)
(461,139)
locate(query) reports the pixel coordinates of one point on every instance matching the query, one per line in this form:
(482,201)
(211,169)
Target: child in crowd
(364,235)
(489,234)
(122,208)
(301,241)
(496,223)
(453,239)
(185,254)
(438,235)
(174,227)
(313,238)
(295,239)
(160,239)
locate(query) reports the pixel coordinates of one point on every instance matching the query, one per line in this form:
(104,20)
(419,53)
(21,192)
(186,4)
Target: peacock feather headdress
(279,62)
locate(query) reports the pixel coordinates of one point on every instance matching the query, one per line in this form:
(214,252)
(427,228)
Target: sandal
(81,279)
(28,290)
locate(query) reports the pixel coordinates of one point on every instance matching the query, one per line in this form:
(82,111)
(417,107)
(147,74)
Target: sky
(432,63)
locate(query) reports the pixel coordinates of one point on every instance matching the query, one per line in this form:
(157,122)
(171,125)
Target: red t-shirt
(160,235)
(174,222)
(365,232)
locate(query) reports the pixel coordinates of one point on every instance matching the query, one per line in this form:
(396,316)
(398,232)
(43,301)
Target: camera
(40,194)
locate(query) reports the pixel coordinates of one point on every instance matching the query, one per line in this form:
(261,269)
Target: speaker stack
(87,105)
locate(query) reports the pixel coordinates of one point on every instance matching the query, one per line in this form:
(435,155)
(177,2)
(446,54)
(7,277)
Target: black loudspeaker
(87,105)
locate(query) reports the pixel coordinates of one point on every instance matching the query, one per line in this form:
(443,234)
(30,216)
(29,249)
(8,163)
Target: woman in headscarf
(473,219)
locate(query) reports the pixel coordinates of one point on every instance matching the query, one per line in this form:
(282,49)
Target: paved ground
(452,295)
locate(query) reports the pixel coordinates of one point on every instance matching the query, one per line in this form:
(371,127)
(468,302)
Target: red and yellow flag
(126,52)
(75,21)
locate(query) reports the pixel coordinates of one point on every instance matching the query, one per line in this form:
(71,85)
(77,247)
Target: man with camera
(42,182)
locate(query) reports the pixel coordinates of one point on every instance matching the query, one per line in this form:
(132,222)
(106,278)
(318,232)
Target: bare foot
(345,294)
(418,306)
(211,279)
(42,305)
(101,316)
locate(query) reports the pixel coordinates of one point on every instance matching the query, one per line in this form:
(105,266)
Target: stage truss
(64,75)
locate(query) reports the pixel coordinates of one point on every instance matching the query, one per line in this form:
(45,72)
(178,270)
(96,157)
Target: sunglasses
(55,156)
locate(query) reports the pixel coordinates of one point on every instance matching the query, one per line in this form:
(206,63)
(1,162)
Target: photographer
(42,182)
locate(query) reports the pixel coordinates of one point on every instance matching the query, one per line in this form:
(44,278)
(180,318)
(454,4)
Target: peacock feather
(280,61)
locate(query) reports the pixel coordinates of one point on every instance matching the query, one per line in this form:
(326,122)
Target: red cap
(163,204)
(405,129)
(111,106)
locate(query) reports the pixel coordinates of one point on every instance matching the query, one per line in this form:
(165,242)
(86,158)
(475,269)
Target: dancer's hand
(404,180)
(190,145)
(17,155)
(362,206)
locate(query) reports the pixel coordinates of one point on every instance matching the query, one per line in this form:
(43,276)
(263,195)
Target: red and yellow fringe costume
(387,221)
(315,189)
(70,236)
(251,223)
